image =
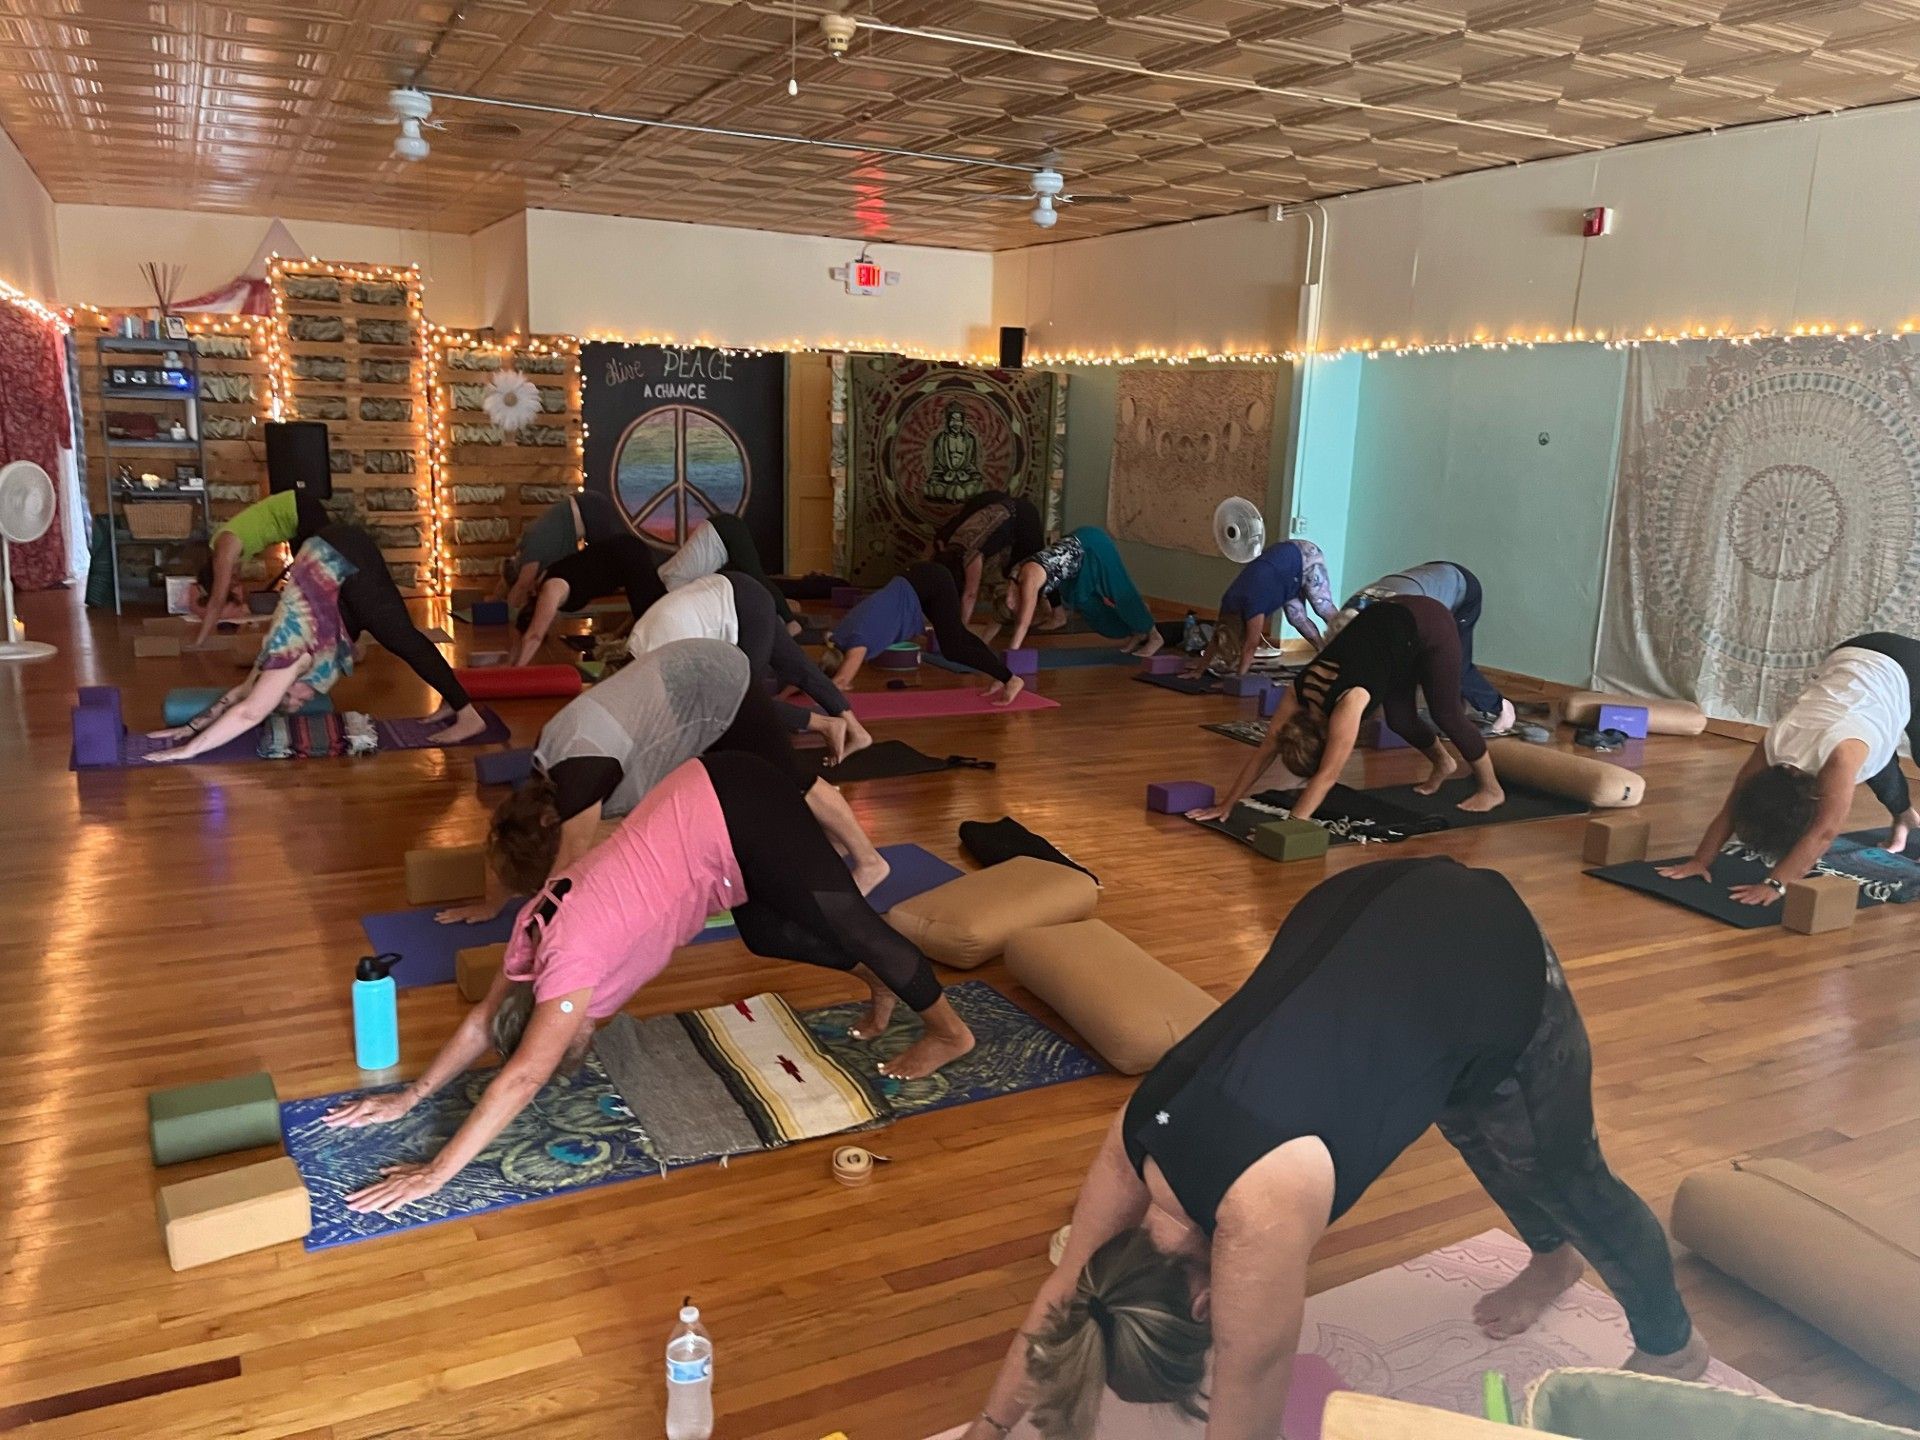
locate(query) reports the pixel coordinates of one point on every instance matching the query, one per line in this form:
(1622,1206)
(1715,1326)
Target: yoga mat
(1885,879)
(1247,732)
(427,948)
(1066,657)
(886,760)
(1523,803)
(1213,684)
(932,704)
(578,1134)
(1350,817)
(394,735)
(1407,1333)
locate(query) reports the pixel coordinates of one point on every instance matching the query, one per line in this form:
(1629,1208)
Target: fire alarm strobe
(864,276)
(1596,222)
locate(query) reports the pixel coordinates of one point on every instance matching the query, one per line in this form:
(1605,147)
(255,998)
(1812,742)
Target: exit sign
(864,276)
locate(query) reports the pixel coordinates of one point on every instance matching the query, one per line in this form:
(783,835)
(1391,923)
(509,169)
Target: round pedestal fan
(1239,529)
(26,512)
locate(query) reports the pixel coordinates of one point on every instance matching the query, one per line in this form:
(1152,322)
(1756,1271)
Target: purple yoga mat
(929,704)
(427,948)
(135,746)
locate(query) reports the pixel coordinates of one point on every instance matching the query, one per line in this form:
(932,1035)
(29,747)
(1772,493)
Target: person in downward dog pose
(723,542)
(1388,656)
(1288,576)
(1192,1234)
(993,525)
(621,565)
(1457,588)
(583,518)
(901,610)
(1790,800)
(606,748)
(287,517)
(724,832)
(1083,571)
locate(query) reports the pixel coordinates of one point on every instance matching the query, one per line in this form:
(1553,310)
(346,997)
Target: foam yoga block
(1167,662)
(1376,734)
(1629,720)
(1244,685)
(517,682)
(212,1119)
(473,970)
(1270,699)
(456,872)
(1839,1261)
(968,921)
(96,736)
(1664,717)
(218,1216)
(845,597)
(156,647)
(1615,839)
(1176,797)
(1561,772)
(490,612)
(502,767)
(101,697)
(1126,1004)
(1821,903)
(1290,839)
(1022,661)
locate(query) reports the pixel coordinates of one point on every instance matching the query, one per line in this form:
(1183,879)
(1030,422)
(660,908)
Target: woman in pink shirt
(724,832)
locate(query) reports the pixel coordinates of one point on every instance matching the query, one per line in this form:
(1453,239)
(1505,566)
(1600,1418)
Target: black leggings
(1531,1145)
(371,602)
(759,728)
(743,558)
(1890,785)
(310,518)
(1437,665)
(801,901)
(940,603)
(773,652)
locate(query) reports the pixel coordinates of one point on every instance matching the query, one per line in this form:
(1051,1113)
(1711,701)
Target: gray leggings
(1533,1148)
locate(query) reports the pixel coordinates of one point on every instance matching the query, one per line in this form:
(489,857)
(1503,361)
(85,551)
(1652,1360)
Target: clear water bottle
(689,1378)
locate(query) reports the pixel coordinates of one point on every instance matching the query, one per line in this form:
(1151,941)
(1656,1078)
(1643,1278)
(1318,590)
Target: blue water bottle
(376,1015)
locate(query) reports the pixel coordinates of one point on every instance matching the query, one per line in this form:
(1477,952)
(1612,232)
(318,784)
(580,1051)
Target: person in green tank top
(286,517)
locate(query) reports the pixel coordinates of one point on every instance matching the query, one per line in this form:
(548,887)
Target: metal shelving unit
(122,352)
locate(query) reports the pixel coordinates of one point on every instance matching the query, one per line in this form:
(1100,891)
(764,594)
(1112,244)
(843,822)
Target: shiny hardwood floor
(162,927)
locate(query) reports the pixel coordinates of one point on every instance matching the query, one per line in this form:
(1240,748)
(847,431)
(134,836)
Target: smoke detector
(837,32)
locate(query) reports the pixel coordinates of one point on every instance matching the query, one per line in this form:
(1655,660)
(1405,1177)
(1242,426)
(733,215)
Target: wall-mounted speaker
(1013,347)
(297,458)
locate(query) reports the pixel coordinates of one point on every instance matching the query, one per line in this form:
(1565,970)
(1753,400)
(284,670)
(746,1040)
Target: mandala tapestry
(915,439)
(1183,441)
(1768,509)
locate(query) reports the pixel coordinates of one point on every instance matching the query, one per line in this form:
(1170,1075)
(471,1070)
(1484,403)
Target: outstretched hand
(368,1110)
(471,914)
(1685,870)
(398,1187)
(1754,895)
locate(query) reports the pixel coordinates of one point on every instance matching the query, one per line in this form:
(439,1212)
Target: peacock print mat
(579,1134)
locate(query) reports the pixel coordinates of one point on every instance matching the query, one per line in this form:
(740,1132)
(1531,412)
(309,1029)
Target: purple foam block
(1167,662)
(1244,685)
(1176,797)
(96,736)
(1270,698)
(1022,662)
(1629,720)
(102,697)
(1376,734)
(490,612)
(502,767)
(845,597)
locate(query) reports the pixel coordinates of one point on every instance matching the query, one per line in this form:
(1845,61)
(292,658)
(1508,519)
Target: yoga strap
(853,1165)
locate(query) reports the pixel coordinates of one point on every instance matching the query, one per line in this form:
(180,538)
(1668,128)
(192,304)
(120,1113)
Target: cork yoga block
(1561,772)
(216,1118)
(1820,903)
(156,647)
(1615,840)
(456,872)
(1664,717)
(473,970)
(218,1216)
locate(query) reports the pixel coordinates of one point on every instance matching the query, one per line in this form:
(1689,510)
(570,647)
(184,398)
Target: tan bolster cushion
(1614,1403)
(1561,772)
(1839,1261)
(1664,717)
(966,922)
(1125,1003)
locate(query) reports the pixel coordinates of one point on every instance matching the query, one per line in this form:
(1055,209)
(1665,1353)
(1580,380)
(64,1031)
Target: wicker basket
(159,519)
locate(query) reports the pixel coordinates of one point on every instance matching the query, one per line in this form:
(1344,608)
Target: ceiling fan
(412,111)
(1047,191)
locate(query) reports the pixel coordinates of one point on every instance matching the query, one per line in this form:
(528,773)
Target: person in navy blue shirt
(1288,576)
(900,611)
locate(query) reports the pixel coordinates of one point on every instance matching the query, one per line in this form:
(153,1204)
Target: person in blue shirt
(901,610)
(1288,576)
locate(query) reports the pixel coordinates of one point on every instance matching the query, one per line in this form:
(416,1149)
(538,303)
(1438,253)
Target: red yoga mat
(514,682)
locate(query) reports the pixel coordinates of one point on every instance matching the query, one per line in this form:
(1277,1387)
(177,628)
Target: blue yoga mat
(427,948)
(1074,657)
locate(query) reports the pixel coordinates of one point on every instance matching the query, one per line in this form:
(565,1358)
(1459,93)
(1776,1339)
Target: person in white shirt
(1792,796)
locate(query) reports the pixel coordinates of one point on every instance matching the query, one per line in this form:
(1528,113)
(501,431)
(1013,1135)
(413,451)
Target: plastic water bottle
(376,1014)
(689,1378)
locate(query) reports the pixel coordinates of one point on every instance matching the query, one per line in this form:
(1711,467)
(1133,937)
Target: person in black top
(606,567)
(993,525)
(1396,995)
(1388,655)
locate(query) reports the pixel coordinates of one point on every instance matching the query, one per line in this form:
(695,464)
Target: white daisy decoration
(512,400)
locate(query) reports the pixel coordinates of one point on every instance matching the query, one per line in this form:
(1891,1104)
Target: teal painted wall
(1447,464)
(1327,397)
(1178,575)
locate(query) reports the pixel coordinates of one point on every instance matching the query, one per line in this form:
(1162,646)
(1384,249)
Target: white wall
(27,244)
(603,274)
(102,246)
(1228,286)
(500,274)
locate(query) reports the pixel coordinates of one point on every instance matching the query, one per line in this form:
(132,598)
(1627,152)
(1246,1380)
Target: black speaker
(297,458)
(1013,347)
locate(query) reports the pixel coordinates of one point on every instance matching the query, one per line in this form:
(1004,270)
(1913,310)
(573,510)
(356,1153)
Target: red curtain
(34,425)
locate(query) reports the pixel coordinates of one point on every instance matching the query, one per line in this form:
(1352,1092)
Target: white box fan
(26,513)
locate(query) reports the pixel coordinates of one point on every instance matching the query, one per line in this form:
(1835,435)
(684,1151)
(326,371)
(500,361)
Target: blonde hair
(1301,742)
(510,1028)
(832,657)
(1128,1327)
(1229,638)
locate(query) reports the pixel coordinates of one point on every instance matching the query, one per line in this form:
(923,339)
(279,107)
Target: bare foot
(438,717)
(796,629)
(945,1039)
(1153,645)
(467,724)
(1483,800)
(1007,693)
(1055,621)
(834,727)
(1519,1304)
(879,1014)
(1438,777)
(1689,1362)
(868,873)
(1506,718)
(857,736)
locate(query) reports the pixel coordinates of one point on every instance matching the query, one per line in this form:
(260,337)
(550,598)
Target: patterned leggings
(1315,590)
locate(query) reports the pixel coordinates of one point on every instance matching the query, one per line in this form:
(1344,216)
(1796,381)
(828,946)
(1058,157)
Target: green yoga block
(1290,840)
(213,1119)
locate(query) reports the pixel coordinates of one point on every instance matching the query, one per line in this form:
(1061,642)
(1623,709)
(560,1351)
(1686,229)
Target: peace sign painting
(675,435)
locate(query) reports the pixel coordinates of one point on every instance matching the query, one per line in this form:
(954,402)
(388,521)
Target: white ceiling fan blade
(1095,199)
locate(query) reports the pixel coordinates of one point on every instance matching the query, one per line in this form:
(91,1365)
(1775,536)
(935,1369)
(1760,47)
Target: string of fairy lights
(433,386)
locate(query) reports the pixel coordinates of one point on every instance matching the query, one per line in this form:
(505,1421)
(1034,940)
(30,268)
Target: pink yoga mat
(929,704)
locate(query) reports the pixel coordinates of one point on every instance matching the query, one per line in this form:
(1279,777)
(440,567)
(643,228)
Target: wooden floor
(168,926)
